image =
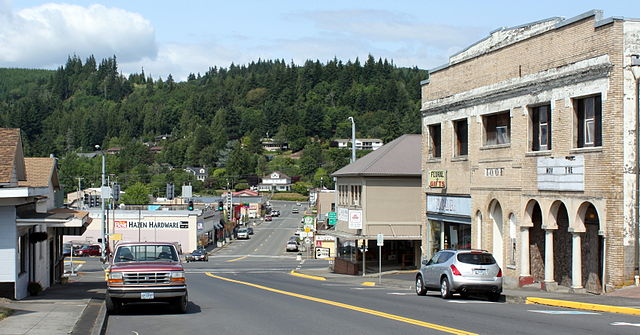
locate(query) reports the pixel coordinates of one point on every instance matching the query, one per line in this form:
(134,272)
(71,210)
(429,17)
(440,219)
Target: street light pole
(635,70)
(353,139)
(102,207)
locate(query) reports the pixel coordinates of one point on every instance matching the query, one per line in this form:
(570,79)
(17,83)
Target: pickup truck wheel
(181,304)
(113,305)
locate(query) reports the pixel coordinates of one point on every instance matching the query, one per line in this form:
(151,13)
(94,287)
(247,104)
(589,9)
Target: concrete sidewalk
(625,300)
(76,307)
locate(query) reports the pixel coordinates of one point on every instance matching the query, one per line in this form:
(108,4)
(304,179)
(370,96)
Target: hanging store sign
(343,214)
(561,173)
(438,178)
(355,219)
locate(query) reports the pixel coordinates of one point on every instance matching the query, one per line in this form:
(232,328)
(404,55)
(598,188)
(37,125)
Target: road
(246,288)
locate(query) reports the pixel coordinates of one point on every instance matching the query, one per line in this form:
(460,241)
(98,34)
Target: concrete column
(525,267)
(576,261)
(548,256)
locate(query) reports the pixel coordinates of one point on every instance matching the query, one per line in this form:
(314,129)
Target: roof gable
(41,172)
(12,167)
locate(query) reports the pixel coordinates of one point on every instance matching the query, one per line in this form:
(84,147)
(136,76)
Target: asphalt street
(246,288)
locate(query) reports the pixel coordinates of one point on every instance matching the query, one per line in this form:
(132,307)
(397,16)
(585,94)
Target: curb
(294,273)
(583,305)
(100,326)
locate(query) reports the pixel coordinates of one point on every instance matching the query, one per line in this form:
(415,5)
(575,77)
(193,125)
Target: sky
(183,37)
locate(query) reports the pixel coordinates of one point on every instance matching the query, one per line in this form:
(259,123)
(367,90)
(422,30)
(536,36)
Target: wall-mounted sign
(355,219)
(152,225)
(343,214)
(438,178)
(561,173)
(441,204)
(323,252)
(333,218)
(494,172)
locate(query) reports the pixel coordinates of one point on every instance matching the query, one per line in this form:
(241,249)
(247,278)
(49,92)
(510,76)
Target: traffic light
(220,206)
(190,206)
(170,191)
(116,192)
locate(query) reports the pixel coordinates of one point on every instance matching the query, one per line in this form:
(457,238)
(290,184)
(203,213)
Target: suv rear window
(476,258)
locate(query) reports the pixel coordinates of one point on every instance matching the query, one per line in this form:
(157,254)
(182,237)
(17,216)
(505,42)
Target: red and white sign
(355,219)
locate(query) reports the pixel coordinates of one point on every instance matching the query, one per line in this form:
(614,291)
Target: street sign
(308,220)
(323,252)
(303,234)
(307,229)
(380,240)
(307,240)
(333,218)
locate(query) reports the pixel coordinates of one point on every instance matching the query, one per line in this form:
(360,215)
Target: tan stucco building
(380,194)
(529,151)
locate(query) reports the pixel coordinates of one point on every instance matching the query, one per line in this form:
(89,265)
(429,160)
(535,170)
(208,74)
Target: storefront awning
(64,220)
(349,236)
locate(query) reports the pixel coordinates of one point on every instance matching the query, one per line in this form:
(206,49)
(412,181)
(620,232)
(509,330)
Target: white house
(275,181)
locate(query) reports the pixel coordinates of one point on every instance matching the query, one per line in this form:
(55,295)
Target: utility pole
(353,139)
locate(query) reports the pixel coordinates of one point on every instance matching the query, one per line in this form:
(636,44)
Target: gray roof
(400,157)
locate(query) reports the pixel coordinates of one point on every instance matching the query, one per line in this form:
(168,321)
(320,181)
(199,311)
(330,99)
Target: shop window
(436,145)
(541,128)
(589,116)
(497,128)
(462,137)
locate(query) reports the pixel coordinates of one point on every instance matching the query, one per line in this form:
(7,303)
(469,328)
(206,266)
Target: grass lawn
(4,312)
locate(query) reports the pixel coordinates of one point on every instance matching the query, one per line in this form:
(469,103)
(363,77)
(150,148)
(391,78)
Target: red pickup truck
(146,272)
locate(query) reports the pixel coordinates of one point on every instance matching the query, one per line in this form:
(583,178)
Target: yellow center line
(237,259)
(351,307)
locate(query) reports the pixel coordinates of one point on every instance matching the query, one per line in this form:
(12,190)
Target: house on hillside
(201,173)
(275,181)
(361,143)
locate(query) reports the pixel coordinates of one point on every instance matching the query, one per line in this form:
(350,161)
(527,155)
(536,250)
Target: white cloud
(45,35)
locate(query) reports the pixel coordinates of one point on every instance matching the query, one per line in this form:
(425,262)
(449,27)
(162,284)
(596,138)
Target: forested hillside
(215,119)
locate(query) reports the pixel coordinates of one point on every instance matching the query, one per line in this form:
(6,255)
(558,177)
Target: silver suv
(460,271)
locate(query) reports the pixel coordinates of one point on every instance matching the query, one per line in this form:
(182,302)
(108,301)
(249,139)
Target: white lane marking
(366,288)
(471,302)
(401,293)
(562,312)
(625,324)
(135,332)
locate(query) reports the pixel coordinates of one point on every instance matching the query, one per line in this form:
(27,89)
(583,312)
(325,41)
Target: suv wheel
(113,305)
(420,290)
(445,289)
(181,304)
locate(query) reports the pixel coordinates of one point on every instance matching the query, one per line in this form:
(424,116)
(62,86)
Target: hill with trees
(216,119)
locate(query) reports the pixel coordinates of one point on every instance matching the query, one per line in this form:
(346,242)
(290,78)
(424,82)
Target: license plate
(146,295)
(479,272)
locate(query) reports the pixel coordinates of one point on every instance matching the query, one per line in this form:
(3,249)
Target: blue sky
(182,37)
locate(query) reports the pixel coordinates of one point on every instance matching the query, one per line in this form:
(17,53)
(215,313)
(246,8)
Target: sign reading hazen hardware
(561,173)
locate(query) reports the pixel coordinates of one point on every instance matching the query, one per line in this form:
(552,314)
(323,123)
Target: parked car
(460,271)
(275,213)
(146,272)
(268,218)
(298,204)
(197,255)
(292,245)
(243,233)
(295,210)
(88,250)
(250,230)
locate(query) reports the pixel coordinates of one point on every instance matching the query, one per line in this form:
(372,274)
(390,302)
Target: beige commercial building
(380,194)
(530,151)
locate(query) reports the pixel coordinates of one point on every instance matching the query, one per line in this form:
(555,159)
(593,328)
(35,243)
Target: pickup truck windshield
(146,253)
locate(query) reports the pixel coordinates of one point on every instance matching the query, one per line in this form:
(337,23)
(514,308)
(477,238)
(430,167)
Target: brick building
(530,151)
